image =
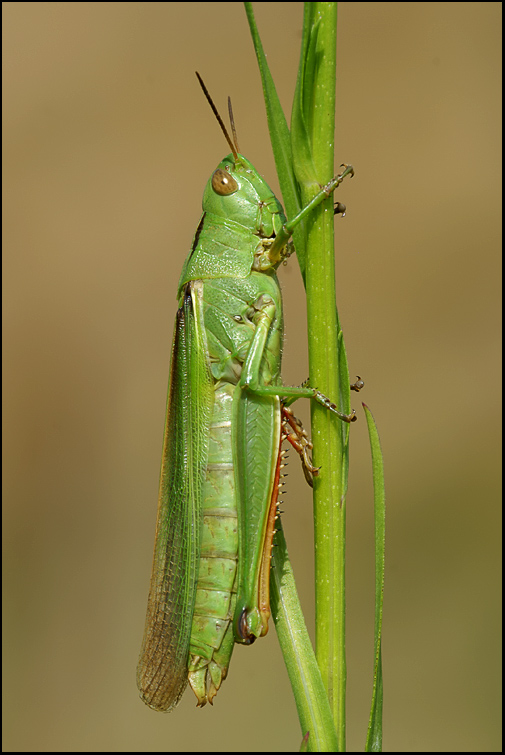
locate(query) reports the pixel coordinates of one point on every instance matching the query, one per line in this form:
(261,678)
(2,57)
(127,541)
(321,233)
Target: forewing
(162,668)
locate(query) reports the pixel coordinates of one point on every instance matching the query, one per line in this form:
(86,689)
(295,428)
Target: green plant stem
(310,146)
(329,435)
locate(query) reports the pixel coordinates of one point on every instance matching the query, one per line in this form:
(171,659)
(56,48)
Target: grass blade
(374,735)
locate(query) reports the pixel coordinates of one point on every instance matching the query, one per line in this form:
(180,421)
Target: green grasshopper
(226,418)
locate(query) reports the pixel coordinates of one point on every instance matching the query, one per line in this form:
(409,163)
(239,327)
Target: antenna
(234,148)
(232,124)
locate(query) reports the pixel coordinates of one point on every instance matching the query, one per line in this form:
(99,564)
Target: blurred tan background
(108,143)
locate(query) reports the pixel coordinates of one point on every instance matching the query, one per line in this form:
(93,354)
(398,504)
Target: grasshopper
(227,414)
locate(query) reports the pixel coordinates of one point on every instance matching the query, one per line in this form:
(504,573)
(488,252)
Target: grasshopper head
(236,192)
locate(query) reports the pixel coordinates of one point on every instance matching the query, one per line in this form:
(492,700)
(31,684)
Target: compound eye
(223,183)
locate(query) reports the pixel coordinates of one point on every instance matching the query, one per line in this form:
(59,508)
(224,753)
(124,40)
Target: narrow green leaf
(374,735)
(277,125)
(308,689)
(302,112)
(281,142)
